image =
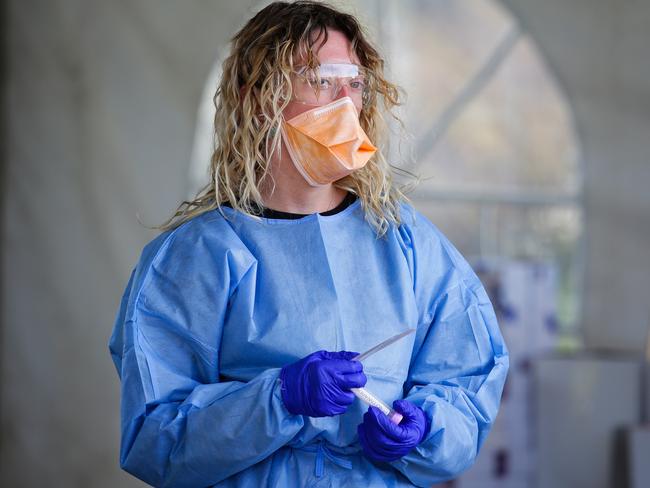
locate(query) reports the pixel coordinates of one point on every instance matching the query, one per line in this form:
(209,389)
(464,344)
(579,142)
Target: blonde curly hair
(254,90)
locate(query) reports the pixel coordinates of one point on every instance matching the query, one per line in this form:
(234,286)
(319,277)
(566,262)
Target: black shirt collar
(270,213)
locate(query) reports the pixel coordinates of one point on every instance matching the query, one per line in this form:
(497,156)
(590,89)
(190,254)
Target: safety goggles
(324,83)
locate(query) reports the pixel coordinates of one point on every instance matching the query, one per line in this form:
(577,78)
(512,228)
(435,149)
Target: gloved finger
(375,447)
(380,422)
(317,355)
(368,441)
(343,366)
(336,409)
(343,398)
(382,444)
(367,446)
(377,421)
(414,417)
(406,408)
(345,355)
(354,380)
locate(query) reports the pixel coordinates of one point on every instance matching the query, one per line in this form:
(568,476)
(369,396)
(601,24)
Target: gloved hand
(319,384)
(382,440)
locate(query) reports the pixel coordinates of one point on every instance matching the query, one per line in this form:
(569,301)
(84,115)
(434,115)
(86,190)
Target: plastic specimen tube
(367,397)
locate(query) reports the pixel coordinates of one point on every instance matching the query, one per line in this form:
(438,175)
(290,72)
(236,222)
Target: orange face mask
(327,143)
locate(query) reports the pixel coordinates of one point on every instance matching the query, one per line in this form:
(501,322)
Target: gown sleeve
(459,363)
(180,425)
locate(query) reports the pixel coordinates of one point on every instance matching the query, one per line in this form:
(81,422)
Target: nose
(344,91)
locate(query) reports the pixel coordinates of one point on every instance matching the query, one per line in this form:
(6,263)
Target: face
(337,49)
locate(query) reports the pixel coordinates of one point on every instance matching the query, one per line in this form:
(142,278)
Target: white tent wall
(101,104)
(102,101)
(599,52)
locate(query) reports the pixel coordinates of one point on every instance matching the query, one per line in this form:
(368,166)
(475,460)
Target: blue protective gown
(217,306)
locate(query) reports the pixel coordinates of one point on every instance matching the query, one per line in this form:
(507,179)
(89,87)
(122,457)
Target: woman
(237,332)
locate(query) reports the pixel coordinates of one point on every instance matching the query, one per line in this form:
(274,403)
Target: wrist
(284,392)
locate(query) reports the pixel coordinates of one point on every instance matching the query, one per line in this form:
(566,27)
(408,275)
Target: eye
(357,84)
(321,84)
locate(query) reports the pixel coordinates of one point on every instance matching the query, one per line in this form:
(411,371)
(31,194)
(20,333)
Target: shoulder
(431,248)
(209,233)
(204,246)
(423,234)
(182,281)
(413,220)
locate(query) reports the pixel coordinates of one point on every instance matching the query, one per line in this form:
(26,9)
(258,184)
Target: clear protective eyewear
(323,84)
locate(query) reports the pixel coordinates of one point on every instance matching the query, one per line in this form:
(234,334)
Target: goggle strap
(341,70)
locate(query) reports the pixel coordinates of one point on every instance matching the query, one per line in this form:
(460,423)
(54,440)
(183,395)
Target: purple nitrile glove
(382,440)
(319,384)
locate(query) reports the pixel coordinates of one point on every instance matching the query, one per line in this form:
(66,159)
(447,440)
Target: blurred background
(530,123)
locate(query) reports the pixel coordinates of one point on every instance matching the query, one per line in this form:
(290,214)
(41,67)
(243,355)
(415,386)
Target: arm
(458,368)
(181,426)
